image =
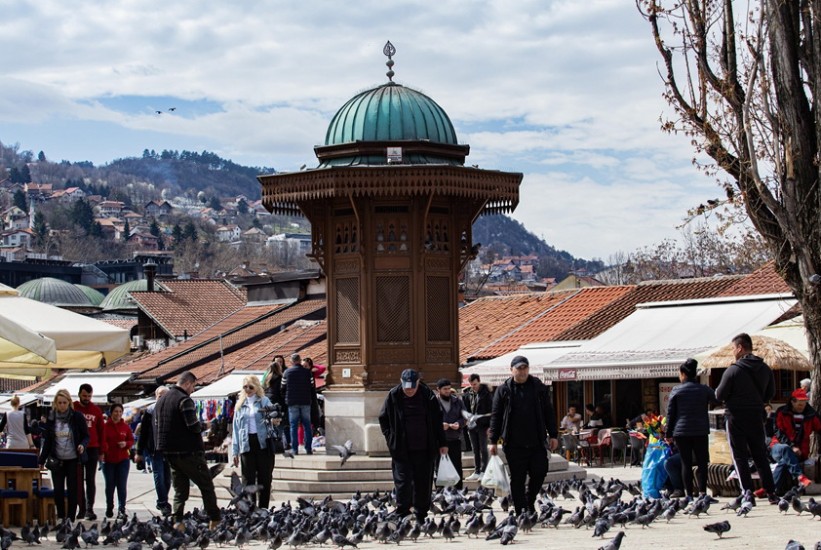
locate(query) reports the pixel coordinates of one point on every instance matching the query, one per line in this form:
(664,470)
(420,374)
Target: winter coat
(393,427)
(500,419)
(746,386)
(787,433)
(453,415)
(297,386)
(687,409)
(79,432)
(113,433)
(480,402)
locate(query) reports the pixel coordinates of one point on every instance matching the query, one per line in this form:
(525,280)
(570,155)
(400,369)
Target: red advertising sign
(567,374)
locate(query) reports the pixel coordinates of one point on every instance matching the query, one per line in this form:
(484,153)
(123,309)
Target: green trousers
(188,468)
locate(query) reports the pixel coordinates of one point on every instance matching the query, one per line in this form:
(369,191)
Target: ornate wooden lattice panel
(437,235)
(391,229)
(347,310)
(393,309)
(437,308)
(346,237)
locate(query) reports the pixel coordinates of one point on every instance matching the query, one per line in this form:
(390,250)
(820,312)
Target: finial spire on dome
(389,50)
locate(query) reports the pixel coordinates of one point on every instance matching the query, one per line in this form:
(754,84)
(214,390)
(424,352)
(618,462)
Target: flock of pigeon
(599,506)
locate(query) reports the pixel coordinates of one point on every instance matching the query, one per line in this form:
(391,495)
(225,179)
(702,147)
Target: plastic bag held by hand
(496,477)
(447,476)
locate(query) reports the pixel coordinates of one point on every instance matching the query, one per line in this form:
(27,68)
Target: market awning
(25,399)
(229,384)
(103,383)
(81,342)
(497,370)
(654,340)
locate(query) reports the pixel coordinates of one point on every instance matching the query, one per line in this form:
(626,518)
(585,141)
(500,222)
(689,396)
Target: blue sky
(565,91)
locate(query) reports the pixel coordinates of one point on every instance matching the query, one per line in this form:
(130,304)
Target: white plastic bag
(496,476)
(447,476)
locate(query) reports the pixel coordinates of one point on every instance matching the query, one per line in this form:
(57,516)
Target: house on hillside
(15,238)
(15,218)
(143,241)
(254,236)
(157,209)
(68,195)
(38,191)
(228,233)
(109,209)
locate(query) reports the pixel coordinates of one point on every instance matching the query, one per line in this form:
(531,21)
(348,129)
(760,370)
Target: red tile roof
(546,326)
(764,280)
(649,291)
(226,337)
(488,319)
(189,306)
(258,355)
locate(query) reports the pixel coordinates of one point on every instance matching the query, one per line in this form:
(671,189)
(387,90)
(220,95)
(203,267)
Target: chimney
(150,270)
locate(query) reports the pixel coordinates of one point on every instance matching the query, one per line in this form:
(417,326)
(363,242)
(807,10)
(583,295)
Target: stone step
(332,462)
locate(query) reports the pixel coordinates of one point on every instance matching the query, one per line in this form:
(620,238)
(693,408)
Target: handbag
(54,464)
(274,442)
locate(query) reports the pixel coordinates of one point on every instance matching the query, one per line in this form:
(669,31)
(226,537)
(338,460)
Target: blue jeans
(116,476)
(162,477)
(297,414)
(787,462)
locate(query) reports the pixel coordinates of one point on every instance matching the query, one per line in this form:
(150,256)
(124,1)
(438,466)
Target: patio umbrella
(776,353)
(81,342)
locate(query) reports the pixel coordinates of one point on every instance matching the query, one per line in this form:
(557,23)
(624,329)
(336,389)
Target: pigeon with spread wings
(345,451)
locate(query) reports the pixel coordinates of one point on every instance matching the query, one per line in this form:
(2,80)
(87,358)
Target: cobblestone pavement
(764,527)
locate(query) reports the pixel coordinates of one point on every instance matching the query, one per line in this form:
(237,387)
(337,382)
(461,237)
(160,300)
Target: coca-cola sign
(567,374)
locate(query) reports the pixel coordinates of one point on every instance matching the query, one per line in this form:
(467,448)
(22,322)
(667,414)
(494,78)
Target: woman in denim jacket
(249,443)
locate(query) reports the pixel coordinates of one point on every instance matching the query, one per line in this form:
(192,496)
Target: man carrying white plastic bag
(521,420)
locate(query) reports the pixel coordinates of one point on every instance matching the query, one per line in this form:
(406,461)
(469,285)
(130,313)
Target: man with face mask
(452,423)
(411,422)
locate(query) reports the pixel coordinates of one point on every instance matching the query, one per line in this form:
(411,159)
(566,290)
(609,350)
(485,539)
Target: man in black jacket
(178,436)
(478,401)
(744,388)
(411,422)
(146,449)
(522,418)
(297,391)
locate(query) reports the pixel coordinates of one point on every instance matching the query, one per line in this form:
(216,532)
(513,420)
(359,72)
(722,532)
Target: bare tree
(744,80)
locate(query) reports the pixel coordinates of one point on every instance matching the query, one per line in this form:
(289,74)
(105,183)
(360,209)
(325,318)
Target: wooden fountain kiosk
(391,206)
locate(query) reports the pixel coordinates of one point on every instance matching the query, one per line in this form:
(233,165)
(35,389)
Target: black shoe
(91,516)
(309,452)
(109,513)
(165,509)
(772,499)
(121,514)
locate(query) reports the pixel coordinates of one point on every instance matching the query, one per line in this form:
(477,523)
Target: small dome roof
(93,294)
(390,112)
(119,299)
(54,291)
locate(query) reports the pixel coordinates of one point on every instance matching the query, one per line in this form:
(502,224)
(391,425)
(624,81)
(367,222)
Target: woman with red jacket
(117,442)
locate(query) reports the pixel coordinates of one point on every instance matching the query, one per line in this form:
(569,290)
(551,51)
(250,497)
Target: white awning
(225,386)
(25,399)
(654,340)
(140,403)
(497,370)
(103,383)
(792,332)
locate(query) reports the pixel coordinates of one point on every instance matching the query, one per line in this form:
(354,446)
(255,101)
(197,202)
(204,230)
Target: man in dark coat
(478,401)
(521,420)
(411,422)
(453,420)
(298,391)
(178,436)
(744,388)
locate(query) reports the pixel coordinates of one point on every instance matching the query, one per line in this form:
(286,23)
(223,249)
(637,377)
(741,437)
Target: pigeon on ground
(615,543)
(794,545)
(718,528)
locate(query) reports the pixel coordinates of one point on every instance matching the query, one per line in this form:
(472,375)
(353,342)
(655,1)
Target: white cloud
(566,91)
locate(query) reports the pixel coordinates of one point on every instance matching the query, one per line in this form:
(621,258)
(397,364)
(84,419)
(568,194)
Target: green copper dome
(93,294)
(119,299)
(54,291)
(390,112)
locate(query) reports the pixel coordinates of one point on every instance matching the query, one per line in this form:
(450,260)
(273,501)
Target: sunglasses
(248,387)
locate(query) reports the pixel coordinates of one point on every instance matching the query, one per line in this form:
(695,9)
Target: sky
(567,92)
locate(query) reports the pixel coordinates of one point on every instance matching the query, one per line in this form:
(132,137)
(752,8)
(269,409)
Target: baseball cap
(409,378)
(800,395)
(519,361)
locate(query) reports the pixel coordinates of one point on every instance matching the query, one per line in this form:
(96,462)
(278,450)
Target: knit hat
(800,395)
